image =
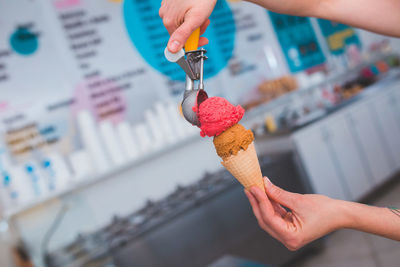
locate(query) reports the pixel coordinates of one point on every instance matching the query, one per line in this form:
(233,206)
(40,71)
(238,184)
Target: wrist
(345,213)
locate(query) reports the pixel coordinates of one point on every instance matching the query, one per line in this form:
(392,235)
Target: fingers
(257,214)
(180,25)
(182,33)
(254,206)
(203,41)
(268,214)
(262,199)
(279,195)
(278,208)
(169,25)
(281,224)
(168,19)
(204,26)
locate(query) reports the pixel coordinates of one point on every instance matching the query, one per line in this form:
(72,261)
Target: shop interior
(98,167)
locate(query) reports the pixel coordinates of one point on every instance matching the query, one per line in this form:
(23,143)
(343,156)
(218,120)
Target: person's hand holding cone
(233,142)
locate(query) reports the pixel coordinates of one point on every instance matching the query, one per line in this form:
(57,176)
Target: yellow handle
(193,41)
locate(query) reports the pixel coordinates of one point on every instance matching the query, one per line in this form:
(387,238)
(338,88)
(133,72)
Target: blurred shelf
(391,78)
(94,179)
(252,115)
(284,100)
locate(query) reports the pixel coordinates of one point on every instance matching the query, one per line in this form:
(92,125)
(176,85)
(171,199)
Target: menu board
(61,57)
(149,36)
(298,41)
(85,86)
(29,69)
(338,35)
(31,76)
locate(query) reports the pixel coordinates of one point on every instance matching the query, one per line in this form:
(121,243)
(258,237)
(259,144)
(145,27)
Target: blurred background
(98,167)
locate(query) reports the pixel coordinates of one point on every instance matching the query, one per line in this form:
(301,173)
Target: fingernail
(266,180)
(174,45)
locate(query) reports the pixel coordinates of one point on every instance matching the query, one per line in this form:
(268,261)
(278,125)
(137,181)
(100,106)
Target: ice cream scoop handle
(193,41)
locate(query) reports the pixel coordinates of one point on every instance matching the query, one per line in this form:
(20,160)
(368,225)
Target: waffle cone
(245,167)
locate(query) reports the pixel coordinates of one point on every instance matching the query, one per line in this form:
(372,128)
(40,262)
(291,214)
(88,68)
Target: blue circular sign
(24,42)
(149,36)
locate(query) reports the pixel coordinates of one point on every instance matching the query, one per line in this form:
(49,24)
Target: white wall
(94,207)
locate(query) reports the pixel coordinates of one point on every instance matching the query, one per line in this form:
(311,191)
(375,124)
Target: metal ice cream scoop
(193,66)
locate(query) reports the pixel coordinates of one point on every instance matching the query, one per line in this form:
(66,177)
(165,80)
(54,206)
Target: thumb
(182,33)
(279,195)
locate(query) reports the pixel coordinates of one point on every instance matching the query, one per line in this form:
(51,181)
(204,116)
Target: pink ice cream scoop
(216,115)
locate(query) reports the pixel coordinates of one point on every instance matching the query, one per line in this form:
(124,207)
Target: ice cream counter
(193,226)
(353,149)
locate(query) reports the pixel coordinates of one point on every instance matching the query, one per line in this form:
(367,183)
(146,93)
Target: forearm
(381,16)
(306,8)
(375,220)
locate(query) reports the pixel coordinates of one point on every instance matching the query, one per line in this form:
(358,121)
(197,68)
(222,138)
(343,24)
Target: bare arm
(182,17)
(380,16)
(312,216)
(375,220)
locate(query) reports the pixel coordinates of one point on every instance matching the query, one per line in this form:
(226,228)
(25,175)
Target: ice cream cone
(232,141)
(245,167)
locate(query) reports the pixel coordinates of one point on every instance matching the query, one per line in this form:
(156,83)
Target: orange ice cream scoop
(216,115)
(232,140)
